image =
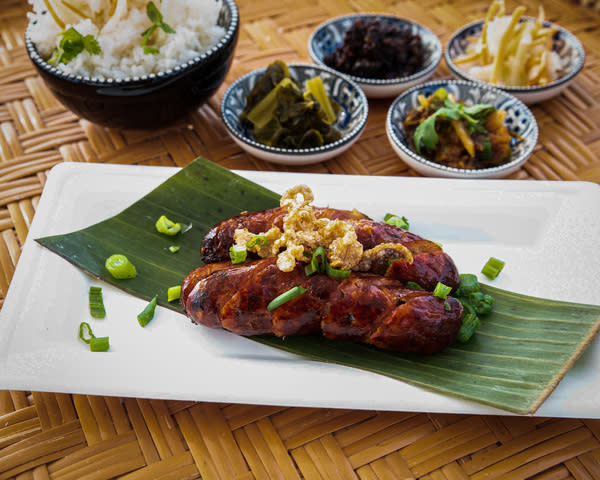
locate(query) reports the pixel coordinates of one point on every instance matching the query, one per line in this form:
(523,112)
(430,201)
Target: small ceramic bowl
(330,34)
(149,101)
(566,45)
(519,119)
(351,119)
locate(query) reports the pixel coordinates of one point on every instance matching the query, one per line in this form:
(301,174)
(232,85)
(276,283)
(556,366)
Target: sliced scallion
(257,239)
(85,326)
(99,344)
(470,323)
(316,265)
(148,313)
(174,248)
(173,293)
(166,226)
(414,286)
(285,297)
(96,303)
(492,268)
(336,272)
(441,291)
(120,267)
(468,284)
(238,253)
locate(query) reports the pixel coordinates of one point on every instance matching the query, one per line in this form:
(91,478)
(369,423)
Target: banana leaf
(517,357)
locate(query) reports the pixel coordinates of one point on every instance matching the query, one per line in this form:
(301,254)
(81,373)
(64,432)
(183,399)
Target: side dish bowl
(330,34)
(566,45)
(519,120)
(148,101)
(351,119)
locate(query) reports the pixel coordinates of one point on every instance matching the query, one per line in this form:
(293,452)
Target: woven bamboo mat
(62,436)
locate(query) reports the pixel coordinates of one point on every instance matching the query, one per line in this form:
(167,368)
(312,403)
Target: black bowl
(149,101)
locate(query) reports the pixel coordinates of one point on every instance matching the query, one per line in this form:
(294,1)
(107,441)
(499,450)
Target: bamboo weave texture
(63,436)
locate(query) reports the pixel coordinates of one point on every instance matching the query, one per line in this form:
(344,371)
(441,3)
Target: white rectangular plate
(547,232)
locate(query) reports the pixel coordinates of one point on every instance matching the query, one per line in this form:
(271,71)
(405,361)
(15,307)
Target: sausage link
(430,264)
(364,307)
(216,243)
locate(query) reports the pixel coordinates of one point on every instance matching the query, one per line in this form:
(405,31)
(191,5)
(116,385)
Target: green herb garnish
(157,22)
(426,135)
(166,226)
(238,254)
(120,267)
(97,344)
(147,314)
(72,44)
(475,304)
(285,297)
(492,268)
(96,302)
(400,222)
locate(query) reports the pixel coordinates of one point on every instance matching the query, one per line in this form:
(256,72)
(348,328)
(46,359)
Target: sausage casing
(363,307)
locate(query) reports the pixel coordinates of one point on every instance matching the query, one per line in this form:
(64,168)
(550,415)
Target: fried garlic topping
(303,232)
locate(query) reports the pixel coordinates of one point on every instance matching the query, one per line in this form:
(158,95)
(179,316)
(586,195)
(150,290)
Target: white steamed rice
(120,38)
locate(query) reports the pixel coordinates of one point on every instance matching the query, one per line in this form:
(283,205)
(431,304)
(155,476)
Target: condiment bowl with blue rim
(566,45)
(330,35)
(519,120)
(149,101)
(351,119)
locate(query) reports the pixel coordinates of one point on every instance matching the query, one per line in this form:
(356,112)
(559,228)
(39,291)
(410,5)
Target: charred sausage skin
(430,263)
(364,307)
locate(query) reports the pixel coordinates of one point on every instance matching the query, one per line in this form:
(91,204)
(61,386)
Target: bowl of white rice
(132,63)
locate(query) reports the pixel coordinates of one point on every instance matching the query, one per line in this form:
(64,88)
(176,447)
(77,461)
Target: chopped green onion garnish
(257,239)
(96,303)
(83,326)
(470,323)
(148,313)
(441,291)
(166,226)
(99,344)
(400,222)
(285,297)
(316,266)
(447,306)
(414,286)
(480,302)
(238,254)
(336,272)
(492,268)
(174,248)
(120,267)
(468,284)
(173,293)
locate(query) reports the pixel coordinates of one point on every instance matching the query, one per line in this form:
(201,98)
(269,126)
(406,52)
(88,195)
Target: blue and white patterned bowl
(568,47)
(351,120)
(330,34)
(519,119)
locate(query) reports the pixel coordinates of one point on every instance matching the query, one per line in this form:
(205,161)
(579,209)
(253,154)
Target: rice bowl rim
(177,69)
(569,37)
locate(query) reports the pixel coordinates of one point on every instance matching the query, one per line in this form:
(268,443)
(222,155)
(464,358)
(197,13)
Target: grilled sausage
(430,263)
(364,307)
